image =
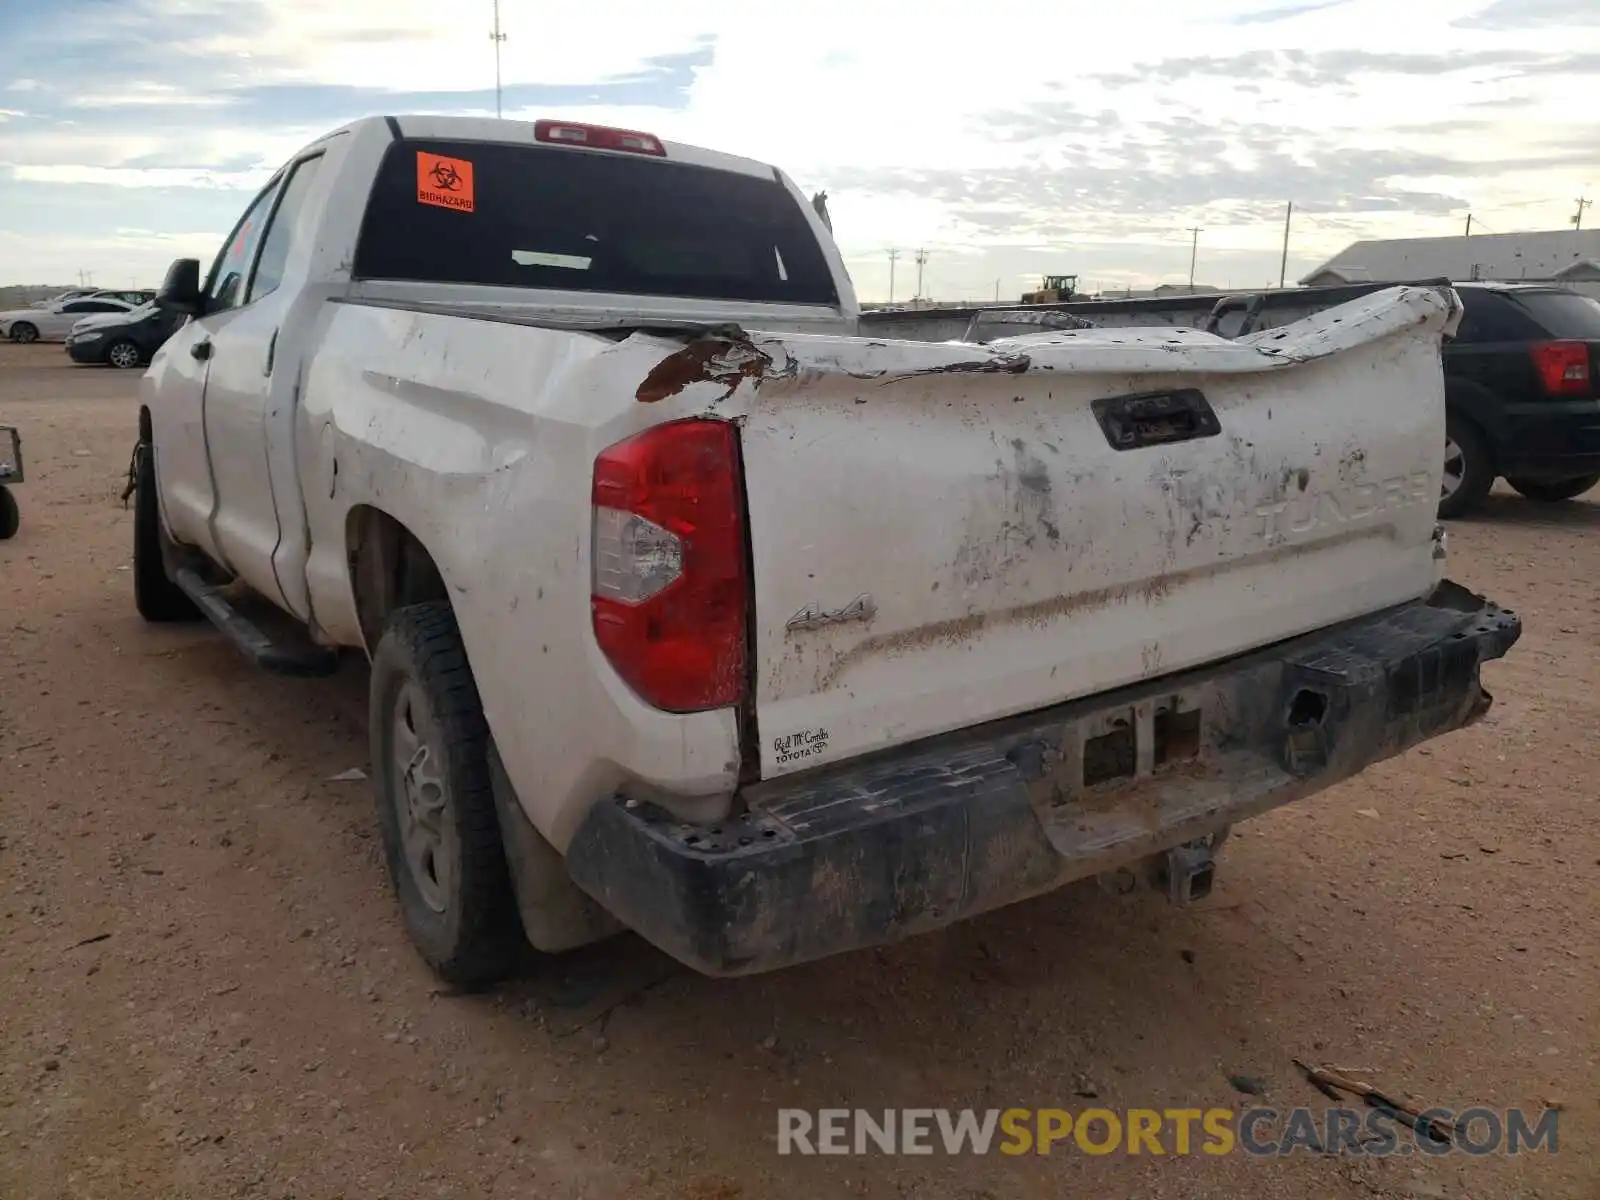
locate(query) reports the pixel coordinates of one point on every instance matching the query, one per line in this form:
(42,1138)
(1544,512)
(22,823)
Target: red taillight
(1563,367)
(670,588)
(598,137)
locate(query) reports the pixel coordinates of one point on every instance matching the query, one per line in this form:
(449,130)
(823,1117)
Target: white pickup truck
(690,612)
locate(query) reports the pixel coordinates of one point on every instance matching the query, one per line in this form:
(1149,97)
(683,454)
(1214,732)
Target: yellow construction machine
(1056,289)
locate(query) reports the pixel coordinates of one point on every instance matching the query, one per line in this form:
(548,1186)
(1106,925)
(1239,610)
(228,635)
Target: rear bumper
(1559,439)
(920,837)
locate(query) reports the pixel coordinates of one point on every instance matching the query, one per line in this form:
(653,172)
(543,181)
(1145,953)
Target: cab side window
(282,230)
(225,289)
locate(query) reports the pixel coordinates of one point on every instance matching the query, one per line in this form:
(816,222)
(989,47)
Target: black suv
(1522,394)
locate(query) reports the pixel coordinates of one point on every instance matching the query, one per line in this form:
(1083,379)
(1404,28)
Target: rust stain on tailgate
(961,629)
(957,630)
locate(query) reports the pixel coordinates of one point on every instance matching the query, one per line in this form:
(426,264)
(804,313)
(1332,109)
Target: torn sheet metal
(728,360)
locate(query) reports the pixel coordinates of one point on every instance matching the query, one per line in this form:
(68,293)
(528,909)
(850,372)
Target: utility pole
(1577,217)
(1283,263)
(498,39)
(1194,248)
(997,291)
(1469,224)
(922,261)
(893,254)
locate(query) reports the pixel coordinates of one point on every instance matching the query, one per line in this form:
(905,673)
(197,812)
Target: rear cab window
(500,214)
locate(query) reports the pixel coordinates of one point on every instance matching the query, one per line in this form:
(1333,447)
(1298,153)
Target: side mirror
(180,290)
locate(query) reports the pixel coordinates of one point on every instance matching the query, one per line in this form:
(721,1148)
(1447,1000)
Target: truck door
(250,397)
(183,464)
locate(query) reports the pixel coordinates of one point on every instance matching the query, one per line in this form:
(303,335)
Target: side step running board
(290,653)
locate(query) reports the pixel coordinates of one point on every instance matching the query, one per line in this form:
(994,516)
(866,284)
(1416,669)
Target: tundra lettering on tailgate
(1322,508)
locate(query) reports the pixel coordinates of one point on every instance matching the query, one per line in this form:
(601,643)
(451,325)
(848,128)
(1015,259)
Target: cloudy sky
(1008,139)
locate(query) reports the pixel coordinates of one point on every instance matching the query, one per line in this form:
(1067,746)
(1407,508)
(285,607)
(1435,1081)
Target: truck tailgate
(947,534)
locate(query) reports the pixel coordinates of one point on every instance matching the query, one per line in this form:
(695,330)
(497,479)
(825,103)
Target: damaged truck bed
(692,611)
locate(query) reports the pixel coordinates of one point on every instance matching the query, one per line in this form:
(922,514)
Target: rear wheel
(24,332)
(124,354)
(1552,491)
(158,599)
(1468,470)
(10,514)
(430,772)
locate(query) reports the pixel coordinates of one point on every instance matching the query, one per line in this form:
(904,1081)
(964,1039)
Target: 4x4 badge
(814,616)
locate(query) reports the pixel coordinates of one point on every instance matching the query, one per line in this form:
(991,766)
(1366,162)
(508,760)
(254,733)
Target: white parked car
(54,322)
(132,296)
(691,611)
(63,297)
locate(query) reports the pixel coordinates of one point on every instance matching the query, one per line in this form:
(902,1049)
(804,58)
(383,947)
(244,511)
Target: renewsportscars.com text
(1256,1131)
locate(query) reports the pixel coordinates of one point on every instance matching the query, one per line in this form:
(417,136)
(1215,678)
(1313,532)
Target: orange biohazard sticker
(444,182)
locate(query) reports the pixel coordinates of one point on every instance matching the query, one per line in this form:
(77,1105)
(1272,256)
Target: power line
(498,39)
(1527,203)
(1283,263)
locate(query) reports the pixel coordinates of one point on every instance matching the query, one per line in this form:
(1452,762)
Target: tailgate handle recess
(1156,418)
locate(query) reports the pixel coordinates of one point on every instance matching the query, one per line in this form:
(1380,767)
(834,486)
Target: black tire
(456,899)
(124,354)
(1553,491)
(10,514)
(1476,469)
(24,332)
(157,598)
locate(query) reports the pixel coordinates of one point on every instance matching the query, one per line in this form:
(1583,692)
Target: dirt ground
(206,991)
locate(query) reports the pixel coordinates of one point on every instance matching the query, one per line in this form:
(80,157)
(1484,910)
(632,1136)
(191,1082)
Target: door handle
(201,349)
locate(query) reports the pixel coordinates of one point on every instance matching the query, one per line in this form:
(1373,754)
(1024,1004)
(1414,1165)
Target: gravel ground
(206,990)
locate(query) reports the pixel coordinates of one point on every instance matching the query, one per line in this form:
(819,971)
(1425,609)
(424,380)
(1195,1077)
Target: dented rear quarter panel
(479,437)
